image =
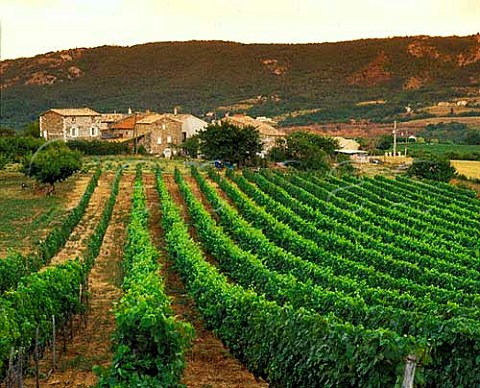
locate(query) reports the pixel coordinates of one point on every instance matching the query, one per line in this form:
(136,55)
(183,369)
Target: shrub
(432,169)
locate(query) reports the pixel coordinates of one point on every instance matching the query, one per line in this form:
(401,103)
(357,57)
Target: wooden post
(409,375)
(20,368)
(11,371)
(37,368)
(53,343)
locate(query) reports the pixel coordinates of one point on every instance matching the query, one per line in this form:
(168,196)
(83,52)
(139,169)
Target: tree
(52,165)
(32,129)
(384,142)
(432,169)
(4,160)
(7,132)
(306,151)
(191,146)
(472,137)
(230,143)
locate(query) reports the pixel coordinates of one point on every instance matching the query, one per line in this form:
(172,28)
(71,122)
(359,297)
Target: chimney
(129,111)
(175,111)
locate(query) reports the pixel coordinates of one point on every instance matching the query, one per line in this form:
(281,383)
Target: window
(74,119)
(164,126)
(93,131)
(184,136)
(73,132)
(169,139)
(159,140)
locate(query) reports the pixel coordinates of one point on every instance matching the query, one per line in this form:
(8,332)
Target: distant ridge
(370,79)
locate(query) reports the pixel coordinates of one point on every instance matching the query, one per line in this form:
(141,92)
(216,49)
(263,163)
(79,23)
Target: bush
(305,151)
(17,146)
(98,147)
(4,160)
(52,165)
(433,169)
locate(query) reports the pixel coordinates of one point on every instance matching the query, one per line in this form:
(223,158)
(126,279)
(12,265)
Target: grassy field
(450,151)
(28,213)
(471,169)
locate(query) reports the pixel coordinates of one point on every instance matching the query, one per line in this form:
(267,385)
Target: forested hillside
(298,83)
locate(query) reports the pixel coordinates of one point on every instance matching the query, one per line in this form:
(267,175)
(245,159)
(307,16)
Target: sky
(30,27)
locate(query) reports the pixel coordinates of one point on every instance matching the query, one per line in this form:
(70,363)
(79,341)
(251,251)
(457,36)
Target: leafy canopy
(305,151)
(433,169)
(230,143)
(53,164)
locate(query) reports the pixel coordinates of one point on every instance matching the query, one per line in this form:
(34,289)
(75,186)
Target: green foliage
(437,150)
(15,265)
(149,343)
(472,136)
(32,130)
(16,147)
(316,76)
(4,160)
(53,292)
(52,165)
(98,147)
(451,132)
(230,143)
(7,132)
(384,142)
(191,146)
(37,298)
(305,151)
(289,347)
(435,170)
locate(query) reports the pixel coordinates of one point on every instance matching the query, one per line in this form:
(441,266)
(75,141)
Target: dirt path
(77,240)
(209,362)
(74,196)
(91,344)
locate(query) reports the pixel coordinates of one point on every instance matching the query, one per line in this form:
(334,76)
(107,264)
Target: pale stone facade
(160,133)
(70,124)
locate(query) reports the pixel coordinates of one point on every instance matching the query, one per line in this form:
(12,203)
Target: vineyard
(189,276)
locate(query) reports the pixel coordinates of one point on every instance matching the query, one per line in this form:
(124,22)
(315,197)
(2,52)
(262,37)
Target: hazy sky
(30,27)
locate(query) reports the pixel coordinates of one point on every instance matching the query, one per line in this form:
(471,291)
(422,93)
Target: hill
(372,79)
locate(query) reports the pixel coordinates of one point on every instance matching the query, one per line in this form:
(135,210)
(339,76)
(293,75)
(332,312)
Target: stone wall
(51,126)
(80,127)
(161,135)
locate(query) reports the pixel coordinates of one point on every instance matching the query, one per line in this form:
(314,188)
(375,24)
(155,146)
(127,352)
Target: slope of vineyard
(309,281)
(286,248)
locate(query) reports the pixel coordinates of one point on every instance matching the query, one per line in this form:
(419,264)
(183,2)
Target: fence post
(409,374)
(37,368)
(20,368)
(10,379)
(53,343)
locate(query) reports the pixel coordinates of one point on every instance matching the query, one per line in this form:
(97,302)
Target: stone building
(160,133)
(124,128)
(268,134)
(69,124)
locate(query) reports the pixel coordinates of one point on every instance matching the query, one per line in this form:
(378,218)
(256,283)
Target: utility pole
(406,143)
(395,138)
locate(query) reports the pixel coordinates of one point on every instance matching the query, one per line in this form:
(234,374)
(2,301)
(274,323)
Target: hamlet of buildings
(158,133)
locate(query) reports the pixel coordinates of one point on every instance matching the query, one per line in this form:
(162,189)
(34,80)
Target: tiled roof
(156,117)
(262,127)
(125,123)
(75,112)
(112,117)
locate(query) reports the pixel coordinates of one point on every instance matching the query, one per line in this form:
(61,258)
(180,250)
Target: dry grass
(469,168)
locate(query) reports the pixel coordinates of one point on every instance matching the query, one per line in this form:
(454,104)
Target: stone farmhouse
(268,134)
(158,133)
(69,124)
